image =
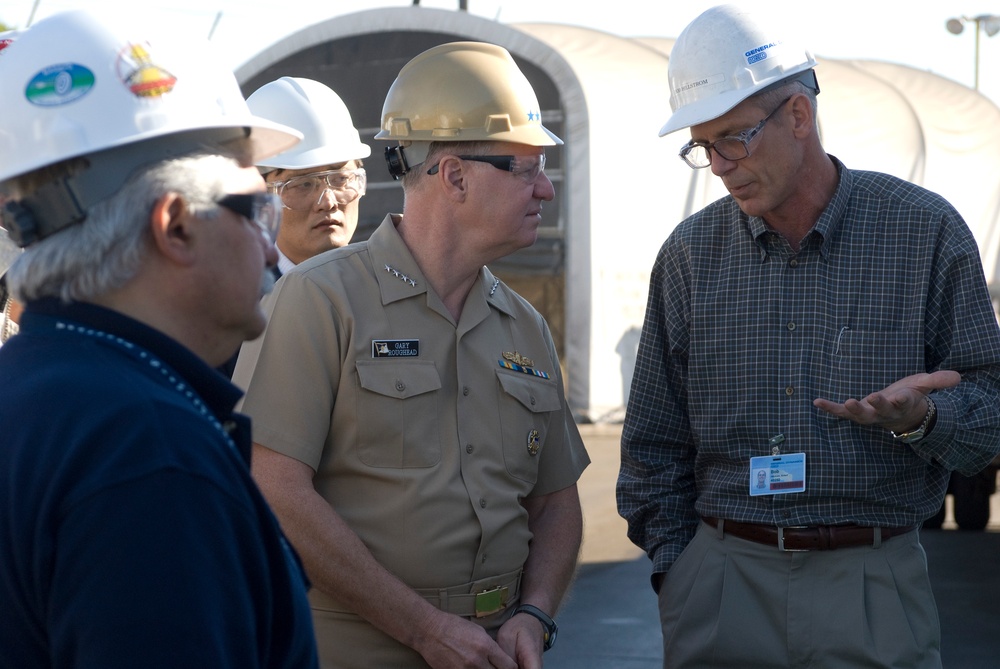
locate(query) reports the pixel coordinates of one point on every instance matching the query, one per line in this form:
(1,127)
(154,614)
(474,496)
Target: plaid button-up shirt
(741,334)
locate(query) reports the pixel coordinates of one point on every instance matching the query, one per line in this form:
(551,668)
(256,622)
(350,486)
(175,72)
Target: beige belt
(478,599)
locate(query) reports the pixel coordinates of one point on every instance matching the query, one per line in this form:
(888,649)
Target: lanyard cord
(167,375)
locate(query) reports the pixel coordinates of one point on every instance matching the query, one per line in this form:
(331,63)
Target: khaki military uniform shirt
(425,433)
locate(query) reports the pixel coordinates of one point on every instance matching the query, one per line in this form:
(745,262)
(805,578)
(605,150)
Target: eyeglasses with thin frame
(304,192)
(735,147)
(261,209)
(526,167)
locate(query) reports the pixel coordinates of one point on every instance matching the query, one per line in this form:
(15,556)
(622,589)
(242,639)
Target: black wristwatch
(549,625)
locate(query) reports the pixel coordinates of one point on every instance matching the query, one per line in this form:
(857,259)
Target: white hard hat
(461,92)
(723,57)
(74,86)
(7,37)
(312,108)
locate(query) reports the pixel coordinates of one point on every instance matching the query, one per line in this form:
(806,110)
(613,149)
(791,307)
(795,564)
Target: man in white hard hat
(827,326)
(321,179)
(411,430)
(134,535)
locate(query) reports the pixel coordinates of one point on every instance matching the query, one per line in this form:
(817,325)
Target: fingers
(522,640)
(501,660)
(941,379)
(461,643)
(893,403)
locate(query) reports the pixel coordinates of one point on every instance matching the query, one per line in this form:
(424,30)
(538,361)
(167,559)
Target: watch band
(549,625)
(918,434)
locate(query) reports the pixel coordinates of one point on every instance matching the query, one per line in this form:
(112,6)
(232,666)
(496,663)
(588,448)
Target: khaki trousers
(728,602)
(347,641)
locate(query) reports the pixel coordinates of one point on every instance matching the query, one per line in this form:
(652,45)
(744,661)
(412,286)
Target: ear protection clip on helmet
(395,160)
(53,201)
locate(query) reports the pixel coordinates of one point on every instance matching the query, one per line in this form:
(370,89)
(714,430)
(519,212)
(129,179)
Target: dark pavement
(610,619)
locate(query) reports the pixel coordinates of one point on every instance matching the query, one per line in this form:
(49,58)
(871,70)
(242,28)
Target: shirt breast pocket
(526,406)
(397,408)
(865,361)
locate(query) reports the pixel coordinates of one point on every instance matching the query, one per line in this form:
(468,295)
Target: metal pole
(34,8)
(215,24)
(977,54)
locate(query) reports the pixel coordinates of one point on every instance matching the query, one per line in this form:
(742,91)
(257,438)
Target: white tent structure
(620,188)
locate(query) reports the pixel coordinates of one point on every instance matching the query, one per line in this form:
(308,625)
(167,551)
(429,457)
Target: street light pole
(989,22)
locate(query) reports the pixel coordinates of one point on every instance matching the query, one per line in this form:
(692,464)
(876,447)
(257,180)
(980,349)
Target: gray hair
(106,251)
(436,149)
(771,97)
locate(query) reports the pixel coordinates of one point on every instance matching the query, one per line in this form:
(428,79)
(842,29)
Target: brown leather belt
(819,538)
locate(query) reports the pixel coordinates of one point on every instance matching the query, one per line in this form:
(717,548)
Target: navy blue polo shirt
(131,532)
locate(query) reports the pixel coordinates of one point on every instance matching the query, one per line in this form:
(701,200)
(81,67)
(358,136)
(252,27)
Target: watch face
(910,437)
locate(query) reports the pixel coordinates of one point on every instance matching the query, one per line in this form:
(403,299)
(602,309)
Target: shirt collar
(396,271)
(828,222)
(218,394)
(284,264)
(831,218)
(399,277)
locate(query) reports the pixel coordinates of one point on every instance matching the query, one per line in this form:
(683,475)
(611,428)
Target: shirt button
(482,502)
(465,390)
(789,391)
(484,558)
(532,401)
(793,263)
(468,448)
(790,326)
(400,386)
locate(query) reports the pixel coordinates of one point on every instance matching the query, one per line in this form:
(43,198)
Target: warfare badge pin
(534,443)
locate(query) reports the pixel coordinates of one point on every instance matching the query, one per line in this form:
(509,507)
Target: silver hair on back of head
(105,252)
(773,96)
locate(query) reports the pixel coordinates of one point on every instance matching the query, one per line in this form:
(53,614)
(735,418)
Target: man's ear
(172,228)
(802,116)
(453,177)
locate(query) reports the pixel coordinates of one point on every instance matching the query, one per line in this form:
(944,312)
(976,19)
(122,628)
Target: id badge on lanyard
(777,474)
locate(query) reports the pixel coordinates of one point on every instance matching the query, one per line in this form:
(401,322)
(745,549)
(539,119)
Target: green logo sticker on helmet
(59,85)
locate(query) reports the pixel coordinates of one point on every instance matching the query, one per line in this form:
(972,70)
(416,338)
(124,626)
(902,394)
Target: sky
(909,32)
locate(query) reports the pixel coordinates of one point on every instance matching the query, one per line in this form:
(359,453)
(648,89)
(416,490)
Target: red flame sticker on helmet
(142,76)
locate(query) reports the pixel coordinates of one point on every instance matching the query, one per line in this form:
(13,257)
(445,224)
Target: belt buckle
(781,539)
(491,601)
